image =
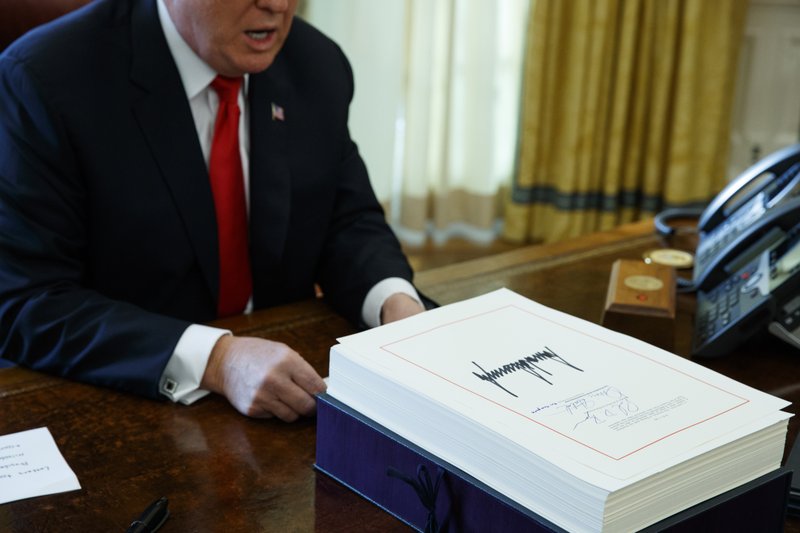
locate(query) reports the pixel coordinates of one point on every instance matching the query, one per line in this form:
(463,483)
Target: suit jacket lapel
(270,184)
(166,122)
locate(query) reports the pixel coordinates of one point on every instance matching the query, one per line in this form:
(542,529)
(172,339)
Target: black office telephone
(747,262)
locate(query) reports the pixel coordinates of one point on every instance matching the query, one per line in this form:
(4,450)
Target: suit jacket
(108,245)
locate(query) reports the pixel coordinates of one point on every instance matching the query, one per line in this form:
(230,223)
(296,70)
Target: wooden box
(641,302)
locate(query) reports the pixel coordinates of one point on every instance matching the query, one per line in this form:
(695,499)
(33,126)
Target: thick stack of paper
(591,429)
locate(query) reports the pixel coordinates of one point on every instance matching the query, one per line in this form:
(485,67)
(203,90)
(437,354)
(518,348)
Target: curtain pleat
(626,110)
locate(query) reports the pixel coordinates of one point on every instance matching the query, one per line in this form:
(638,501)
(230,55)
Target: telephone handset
(745,214)
(752,181)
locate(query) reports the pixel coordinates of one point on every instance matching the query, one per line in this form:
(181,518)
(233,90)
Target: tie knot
(227,88)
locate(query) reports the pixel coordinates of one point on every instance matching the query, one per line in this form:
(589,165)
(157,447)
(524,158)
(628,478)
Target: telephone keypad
(723,306)
(734,302)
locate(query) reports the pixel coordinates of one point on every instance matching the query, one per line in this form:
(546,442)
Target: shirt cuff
(180,381)
(379,293)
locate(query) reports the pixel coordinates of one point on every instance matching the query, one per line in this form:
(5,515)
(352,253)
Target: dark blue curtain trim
(594,200)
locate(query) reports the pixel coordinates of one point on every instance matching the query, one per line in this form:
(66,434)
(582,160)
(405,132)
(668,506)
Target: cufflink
(170,386)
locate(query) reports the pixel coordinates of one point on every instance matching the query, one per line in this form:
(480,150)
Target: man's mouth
(260,35)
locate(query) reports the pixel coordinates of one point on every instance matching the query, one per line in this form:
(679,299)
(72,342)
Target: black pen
(151,519)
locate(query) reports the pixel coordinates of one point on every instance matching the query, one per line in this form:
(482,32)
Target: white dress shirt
(184,371)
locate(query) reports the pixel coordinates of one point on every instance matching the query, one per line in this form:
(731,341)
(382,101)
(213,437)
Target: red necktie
(227,184)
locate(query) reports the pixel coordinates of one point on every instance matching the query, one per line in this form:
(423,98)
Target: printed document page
(583,397)
(31,465)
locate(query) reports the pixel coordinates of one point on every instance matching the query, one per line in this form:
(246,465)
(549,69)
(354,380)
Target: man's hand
(262,378)
(399,305)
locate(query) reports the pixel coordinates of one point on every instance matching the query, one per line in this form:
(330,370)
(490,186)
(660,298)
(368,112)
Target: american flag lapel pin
(277,112)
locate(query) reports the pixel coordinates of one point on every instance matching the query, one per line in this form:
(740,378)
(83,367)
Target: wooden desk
(222,471)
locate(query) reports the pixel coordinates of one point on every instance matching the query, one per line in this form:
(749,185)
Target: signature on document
(532,364)
(598,406)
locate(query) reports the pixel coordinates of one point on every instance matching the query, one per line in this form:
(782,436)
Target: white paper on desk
(31,465)
(580,400)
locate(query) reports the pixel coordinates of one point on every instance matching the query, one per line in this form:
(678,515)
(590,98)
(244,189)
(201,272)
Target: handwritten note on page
(31,465)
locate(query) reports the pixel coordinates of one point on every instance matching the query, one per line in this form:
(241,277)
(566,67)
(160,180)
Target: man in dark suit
(109,243)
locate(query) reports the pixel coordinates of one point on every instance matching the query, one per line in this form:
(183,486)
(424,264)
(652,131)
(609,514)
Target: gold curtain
(626,110)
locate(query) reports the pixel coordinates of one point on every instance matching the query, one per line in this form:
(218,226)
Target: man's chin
(256,63)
